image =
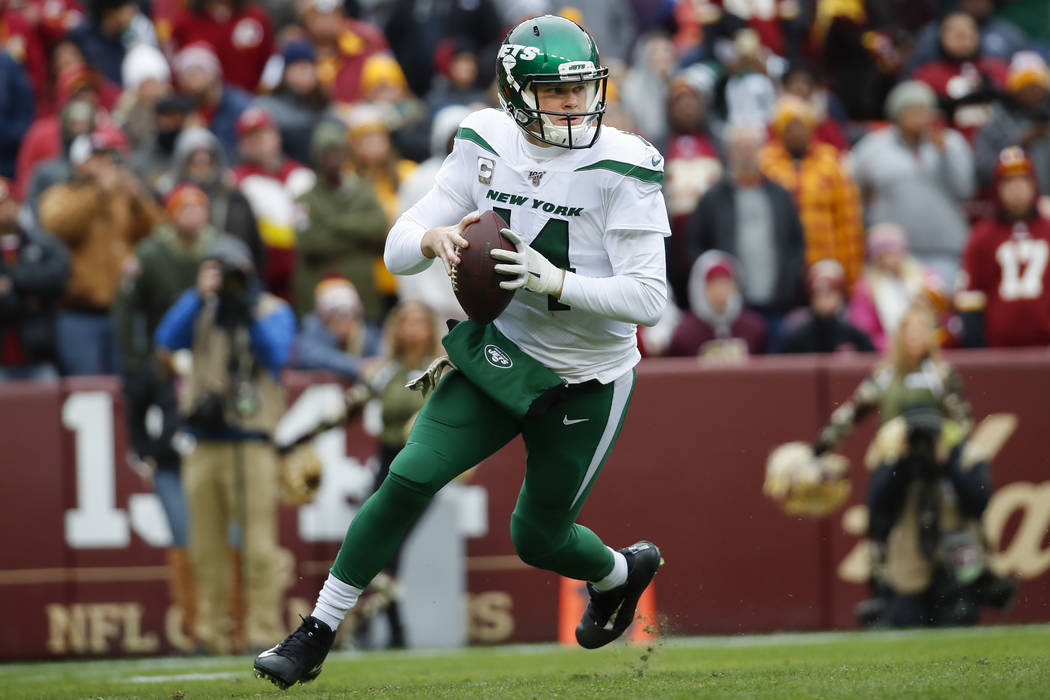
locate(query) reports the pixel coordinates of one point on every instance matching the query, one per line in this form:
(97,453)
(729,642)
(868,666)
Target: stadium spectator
(917,173)
(164,266)
(612,23)
(966,81)
(218,105)
(43,141)
(299,102)
(22,43)
(383,87)
(155,157)
(1021,118)
(717,326)
(99,215)
(892,282)
(271,182)
(334,336)
(754,220)
(374,157)
(646,87)
(826,197)
(774,23)
(341,227)
(415,30)
(456,83)
(1005,288)
(432,285)
(77,118)
(16,112)
(693,164)
(858,45)
(342,43)
(749,91)
(999,38)
(240,337)
(106,33)
(828,113)
(147,79)
(199,159)
(239,31)
(924,499)
(823,328)
(33,275)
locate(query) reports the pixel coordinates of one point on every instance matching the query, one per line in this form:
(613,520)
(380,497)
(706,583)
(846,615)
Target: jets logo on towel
(497,358)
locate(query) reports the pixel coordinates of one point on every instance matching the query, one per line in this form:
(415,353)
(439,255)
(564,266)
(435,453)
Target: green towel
(499,368)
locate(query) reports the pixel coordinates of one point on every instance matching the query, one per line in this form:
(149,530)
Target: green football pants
(459,427)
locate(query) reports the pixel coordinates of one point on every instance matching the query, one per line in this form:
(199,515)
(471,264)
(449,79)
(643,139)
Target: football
(474,280)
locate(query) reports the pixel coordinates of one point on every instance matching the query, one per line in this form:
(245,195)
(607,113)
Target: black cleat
(298,658)
(609,613)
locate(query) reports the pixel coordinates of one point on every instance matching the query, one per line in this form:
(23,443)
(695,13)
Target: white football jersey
(562,202)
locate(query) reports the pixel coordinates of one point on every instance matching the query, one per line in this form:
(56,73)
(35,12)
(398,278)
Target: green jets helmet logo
(497,358)
(546,51)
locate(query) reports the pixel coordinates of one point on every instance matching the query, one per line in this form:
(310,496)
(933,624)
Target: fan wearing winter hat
(1005,297)
(717,325)
(219,105)
(298,102)
(918,173)
(823,327)
(1021,118)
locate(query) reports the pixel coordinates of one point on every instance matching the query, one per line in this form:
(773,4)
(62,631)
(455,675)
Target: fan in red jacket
(241,33)
(22,41)
(1004,297)
(966,83)
(271,182)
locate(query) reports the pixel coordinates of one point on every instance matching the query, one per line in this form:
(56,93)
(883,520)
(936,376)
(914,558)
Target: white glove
(527,268)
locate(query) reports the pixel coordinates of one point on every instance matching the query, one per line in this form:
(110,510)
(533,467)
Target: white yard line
(183,677)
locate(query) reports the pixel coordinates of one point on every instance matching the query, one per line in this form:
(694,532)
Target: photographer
(240,338)
(925,498)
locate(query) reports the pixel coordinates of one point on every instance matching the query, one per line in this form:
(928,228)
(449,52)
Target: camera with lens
(924,433)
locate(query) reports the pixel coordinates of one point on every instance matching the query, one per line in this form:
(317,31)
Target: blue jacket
(272,336)
(316,348)
(16,111)
(224,121)
(104,54)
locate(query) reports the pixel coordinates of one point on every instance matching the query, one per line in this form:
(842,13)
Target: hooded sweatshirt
(703,327)
(230,211)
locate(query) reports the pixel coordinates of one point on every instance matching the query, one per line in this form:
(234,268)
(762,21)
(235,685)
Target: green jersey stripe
(627,170)
(471,135)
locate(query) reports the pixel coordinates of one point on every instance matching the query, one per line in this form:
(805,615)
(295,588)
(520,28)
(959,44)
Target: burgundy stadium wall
(80,578)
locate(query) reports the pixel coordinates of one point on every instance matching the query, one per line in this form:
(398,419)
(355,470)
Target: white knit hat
(142,63)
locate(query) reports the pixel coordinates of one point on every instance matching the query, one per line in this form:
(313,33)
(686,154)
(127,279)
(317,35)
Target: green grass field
(995,662)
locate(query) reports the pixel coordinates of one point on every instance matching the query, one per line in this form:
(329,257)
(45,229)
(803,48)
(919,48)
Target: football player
(586,217)
(1005,287)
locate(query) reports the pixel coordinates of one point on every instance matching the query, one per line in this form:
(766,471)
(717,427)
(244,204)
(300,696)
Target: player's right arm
(433,226)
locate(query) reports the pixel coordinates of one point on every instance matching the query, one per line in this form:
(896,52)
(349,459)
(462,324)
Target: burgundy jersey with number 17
(1007,262)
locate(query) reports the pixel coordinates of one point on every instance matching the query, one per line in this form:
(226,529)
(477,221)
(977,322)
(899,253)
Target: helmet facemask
(546,125)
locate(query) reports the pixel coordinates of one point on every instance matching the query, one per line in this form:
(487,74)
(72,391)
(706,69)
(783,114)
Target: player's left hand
(527,268)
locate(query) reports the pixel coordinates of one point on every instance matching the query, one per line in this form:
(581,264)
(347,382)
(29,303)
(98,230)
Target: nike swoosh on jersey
(567,421)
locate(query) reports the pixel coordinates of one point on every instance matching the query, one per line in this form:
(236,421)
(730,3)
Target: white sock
(334,601)
(616,577)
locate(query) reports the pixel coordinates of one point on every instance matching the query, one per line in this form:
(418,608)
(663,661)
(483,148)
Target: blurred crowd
(218,177)
(827,161)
